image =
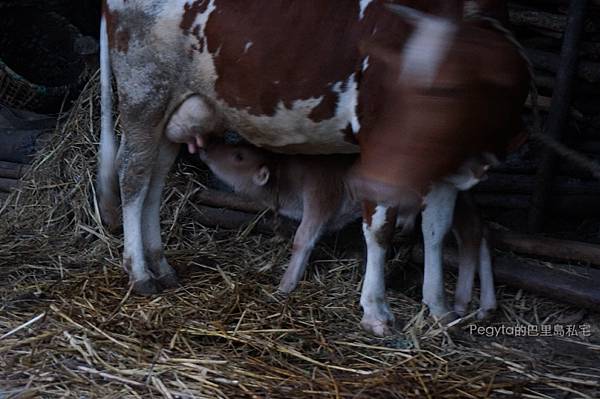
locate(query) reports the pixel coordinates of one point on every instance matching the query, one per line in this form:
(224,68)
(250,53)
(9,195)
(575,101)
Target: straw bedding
(69,327)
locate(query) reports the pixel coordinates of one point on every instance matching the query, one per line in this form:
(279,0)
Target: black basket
(39,67)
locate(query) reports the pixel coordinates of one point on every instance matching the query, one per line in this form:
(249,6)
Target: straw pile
(69,327)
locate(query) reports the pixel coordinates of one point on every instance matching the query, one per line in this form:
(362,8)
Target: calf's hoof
(286,288)
(277,297)
(168,280)
(146,287)
(447,318)
(461,310)
(485,314)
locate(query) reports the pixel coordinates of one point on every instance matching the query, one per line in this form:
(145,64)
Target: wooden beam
(573,205)
(18,146)
(578,289)
(230,219)
(534,17)
(587,70)
(13,170)
(547,247)
(222,199)
(502,183)
(8,184)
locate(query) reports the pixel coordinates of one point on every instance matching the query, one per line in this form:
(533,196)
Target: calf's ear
(262,176)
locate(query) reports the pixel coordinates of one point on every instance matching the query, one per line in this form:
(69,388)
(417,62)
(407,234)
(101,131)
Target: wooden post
(559,111)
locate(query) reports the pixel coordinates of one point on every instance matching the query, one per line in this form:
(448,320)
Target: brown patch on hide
(326,108)
(368,212)
(350,135)
(307,64)
(118,38)
(190,12)
(384,234)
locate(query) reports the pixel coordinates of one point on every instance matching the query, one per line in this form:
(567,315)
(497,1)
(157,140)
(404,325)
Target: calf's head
(243,167)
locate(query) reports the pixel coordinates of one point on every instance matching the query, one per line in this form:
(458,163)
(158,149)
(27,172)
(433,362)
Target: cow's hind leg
(378,227)
(468,232)
(474,252)
(153,247)
(487,299)
(437,220)
(134,178)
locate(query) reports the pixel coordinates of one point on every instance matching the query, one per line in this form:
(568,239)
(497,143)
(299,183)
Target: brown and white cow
(314,189)
(308,76)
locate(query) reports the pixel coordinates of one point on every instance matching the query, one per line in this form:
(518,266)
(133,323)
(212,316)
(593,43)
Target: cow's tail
(106,186)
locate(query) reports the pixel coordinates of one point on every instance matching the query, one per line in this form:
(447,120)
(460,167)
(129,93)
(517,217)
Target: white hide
(426,50)
(363,6)
(377,317)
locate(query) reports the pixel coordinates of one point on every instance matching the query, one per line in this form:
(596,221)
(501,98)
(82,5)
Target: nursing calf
(314,189)
(310,188)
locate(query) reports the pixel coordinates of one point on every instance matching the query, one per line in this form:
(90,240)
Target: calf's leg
(437,221)
(378,227)
(314,218)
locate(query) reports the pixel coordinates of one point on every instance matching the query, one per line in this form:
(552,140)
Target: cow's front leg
(135,174)
(164,274)
(437,220)
(378,227)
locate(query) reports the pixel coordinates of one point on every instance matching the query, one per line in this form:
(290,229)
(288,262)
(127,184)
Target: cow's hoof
(168,280)
(146,287)
(379,328)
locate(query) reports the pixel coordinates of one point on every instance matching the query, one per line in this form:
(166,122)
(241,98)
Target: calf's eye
(238,156)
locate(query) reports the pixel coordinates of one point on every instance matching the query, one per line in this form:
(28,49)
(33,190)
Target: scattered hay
(69,327)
